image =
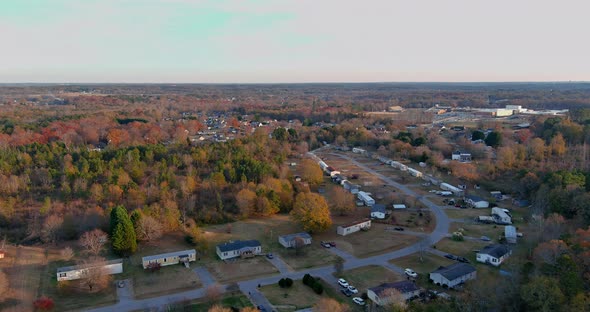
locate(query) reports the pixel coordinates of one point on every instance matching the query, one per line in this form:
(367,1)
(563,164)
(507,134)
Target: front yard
(240,269)
(429,263)
(369,276)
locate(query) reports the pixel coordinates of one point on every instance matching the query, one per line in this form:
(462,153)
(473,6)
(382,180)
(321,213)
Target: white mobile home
(399,206)
(238,248)
(453,275)
(366,198)
(79,271)
(414,173)
(184,256)
(353,227)
(501,215)
(476,201)
(290,240)
(378,211)
(447,187)
(493,254)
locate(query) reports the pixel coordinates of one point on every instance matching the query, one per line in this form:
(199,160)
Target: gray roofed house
(170,258)
(453,274)
(378,211)
(494,254)
(289,240)
(476,201)
(378,294)
(238,248)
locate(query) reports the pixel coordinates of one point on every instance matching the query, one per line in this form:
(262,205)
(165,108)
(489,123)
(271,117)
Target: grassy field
(430,262)
(311,256)
(467,213)
(369,276)
(240,269)
(477,230)
(235,300)
(413,221)
(465,248)
(299,296)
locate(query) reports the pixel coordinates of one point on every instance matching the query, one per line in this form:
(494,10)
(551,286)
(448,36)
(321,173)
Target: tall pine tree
(123,236)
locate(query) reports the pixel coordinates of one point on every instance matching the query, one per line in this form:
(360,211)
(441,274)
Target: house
(366,198)
(75,272)
(447,187)
(170,258)
(501,215)
(414,173)
(233,249)
(352,188)
(289,240)
(510,234)
(460,156)
(453,275)
(378,211)
(497,195)
(353,227)
(493,254)
(476,201)
(399,206)
(407,289)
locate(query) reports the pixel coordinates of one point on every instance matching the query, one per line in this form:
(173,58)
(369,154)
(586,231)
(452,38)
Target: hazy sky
(293,41)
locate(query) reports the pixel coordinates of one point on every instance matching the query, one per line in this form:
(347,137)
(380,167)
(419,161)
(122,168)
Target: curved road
(250,287)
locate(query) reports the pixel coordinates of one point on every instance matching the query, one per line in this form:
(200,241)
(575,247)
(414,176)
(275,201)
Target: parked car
(269,256)
(410,273)
(121,284)
(342,282)
(332,244)
(346,292)
(449,256)
(325,244)
(398,228)
(485,239)
(261,308)
(358,300)
(352,289)
(462,259)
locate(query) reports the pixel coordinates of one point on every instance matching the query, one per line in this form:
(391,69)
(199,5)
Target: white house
(366,198)
(460,156)
(239,248)
(378,294)
(79,271)
(184,256)
(378,211)
(289,240)
(501,215)
(399,206)
(510,234)
(357,150)
(493,254)
(476,201)
(447,187)
(353,227)
(453,275)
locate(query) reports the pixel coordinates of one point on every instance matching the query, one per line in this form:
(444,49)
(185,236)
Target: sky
(250,41)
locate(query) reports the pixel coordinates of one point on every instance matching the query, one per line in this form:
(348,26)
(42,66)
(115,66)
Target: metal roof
(79,267)
(455,270)
(378,208)
(170,254)
(236,245)
(403,287)
(290,237)
(496,250)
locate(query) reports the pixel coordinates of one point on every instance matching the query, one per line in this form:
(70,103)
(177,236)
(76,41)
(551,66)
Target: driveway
(204,275)
(283,267)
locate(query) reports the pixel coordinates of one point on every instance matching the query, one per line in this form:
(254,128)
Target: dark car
(346,292)
(462,259)
(449,256)
(332,244)
(398,228)
(269,256)
(261,308)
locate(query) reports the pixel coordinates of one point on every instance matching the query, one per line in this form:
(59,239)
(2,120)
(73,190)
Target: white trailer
(414,173)
(447,187)
(366,198)
(323,165)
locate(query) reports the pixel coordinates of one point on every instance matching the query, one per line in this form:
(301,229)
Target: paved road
(250,287)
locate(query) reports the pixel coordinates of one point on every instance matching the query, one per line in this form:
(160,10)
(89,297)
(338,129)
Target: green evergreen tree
(123,236)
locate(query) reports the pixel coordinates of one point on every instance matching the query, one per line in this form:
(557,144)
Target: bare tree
(148,229)
(298,245)
(51,228)
(219,308)
(393,299)
(329,305)
(213,292)
(94,241)
(67,253)
(96,276)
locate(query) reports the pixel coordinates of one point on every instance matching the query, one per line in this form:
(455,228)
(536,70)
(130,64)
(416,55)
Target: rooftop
(455,270)
(495,250)
(169,254)
(403,287)
(235,245)
(78,267)
(378,208)
(355,223)
(290,237)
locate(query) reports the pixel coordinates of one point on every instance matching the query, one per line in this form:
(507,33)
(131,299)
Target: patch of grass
(430,262)
(240,269)
(369,276)
(477,230)
(311,256)
(235,300)
(470,214)
(169,279)
(465,248)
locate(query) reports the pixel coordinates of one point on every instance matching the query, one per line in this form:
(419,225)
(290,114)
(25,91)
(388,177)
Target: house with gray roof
(378,211)
(380,295)
(170,258)
(453,275)
(289,240)
(493,254)
(476,201)
(233,249)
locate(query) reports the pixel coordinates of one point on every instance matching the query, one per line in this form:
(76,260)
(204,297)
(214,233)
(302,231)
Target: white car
(410,273)
(358,300)
(353,289)
(342,282)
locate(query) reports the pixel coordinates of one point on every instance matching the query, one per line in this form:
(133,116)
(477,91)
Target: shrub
(318,288)
(308,280)
(154,267)
(364,296)
(457,236)
(282,283)
(43,303)
(288,282)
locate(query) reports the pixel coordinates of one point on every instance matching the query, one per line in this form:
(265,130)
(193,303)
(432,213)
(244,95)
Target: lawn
(298,296)
(240,269)
(470,214)
(465,248)
(233,300)
(369,276)
(310,256)
(414,221)
(477,230)
(430,262)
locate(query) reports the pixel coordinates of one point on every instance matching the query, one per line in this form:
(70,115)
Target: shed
(170,258)
(510,234)
(75,272)
(289,240)
(353,227)
(453,275)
